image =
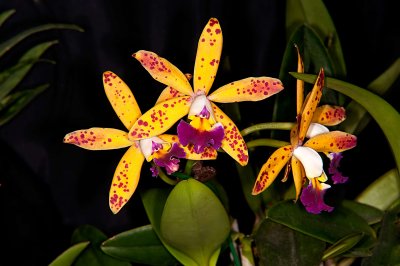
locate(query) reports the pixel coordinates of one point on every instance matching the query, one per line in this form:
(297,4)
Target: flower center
(201,107)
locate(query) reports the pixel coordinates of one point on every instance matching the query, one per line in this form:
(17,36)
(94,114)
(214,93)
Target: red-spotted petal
(270,170)
(233,142)
(121,99)
(126,178)
(329,115)
(299,82)
(208,56)
(334,141)
(163,71)
(167,94)
(98,138)
(160,118)
(310,105)
(299,175)
(248,89)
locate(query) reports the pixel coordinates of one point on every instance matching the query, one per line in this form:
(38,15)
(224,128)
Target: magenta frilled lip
(170,160)
(337,176)
(200,139)
(313,200)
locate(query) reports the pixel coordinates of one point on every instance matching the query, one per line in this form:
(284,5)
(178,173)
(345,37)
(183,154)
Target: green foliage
(69,256)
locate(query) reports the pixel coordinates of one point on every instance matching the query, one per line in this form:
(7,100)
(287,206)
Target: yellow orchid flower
(164,150)
(209,126)
(302,156)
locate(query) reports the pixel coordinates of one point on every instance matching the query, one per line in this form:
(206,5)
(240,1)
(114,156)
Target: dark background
(49,188)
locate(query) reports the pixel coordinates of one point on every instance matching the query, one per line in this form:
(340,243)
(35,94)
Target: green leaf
(139,245)
(7,45)
(247,179)
(154,201)
(383,192)
(370,214)
(10,78)
(5,15)
(279,245)
(357,117)
(14,103)
(194,221)
(384,114)
(93,255)
(314,14)
(342,245)
(69,256)
(328,227)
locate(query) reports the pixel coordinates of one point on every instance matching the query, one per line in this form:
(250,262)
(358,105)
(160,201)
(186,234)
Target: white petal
(310,160)
(146,145)
(316,129)
(199,102)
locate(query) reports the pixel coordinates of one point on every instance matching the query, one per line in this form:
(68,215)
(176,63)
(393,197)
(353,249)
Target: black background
(49,188)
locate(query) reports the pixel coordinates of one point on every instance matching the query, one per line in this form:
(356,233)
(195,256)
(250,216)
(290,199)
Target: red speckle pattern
(329,115)
(168,93)
(334,141)
(152,62)
(98,138)
(120,187)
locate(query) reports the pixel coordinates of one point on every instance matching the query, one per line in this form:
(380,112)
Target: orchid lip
(148,146)
(310,160)
(201,107)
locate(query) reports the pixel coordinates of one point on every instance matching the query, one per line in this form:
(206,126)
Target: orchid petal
(146,146)
(299,82)
(270,170)
(310,105)
(248,89)
(233,142)
(310,160)
(334,141)
(98,138)
(167,94)
(208,153)
(126,178)
(163,71)
(313,197)
(337,176)
(208,56)
(160,118)
(329,115)
(121,99)
(316,129)
(299,175)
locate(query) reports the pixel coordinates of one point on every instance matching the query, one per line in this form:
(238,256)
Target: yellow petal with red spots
(310,105)
(208,154)
(97,138)
(248,89)
(208,56)
(233,142)
(126,178)
(270,170)
(160,118)
(163,71)
(299,82)
(167,94)
(121,99)
(329,115)
(334,141)
(299,175)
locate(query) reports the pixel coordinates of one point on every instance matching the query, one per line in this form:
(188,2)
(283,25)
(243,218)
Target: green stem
(236,260)
(188,167)
(165,178)
(267,126)
(266,142)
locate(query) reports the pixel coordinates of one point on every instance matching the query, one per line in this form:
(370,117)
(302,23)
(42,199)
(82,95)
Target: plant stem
(267,126)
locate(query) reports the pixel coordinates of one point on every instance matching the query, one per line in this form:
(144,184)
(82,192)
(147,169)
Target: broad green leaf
(68,257)
(194,221)
(328,227)
(315,15)
(342,245)
(382,192)
(370,214)
(14,103)
(357,117)
(153,202)
(5,15)
(247,178)
(139,245)
(10,78)
(92,255)
(388,248)
(384,114)
(279,245)
(7,45)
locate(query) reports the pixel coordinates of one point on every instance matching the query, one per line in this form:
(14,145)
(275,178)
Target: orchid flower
(209,126)
(302,156)
(164,150)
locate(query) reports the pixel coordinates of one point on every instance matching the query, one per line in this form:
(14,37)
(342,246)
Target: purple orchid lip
(337,176)
(170,160)
(200,139)
(205,113)
(313,200)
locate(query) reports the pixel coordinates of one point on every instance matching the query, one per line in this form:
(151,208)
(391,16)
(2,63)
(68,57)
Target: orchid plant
(190,221)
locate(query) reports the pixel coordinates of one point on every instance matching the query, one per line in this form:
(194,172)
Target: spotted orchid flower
(209,126)
(164,150)
(301,156)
